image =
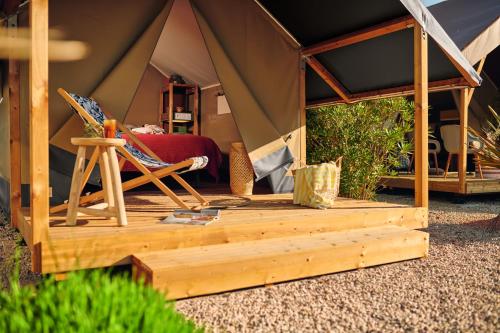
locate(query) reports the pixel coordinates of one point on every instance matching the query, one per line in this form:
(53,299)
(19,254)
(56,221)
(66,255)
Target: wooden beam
(463,71)
(303,119)
(39,127)
(196,103)
(328,78)
(420,67)
(15,130)
(360,35)
(25,227)
(406,90)
(462,153)
(478,70)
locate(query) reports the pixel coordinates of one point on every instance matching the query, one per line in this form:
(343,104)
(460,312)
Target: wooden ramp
(202,270)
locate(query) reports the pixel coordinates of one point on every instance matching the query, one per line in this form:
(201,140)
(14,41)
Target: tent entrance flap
(263,93)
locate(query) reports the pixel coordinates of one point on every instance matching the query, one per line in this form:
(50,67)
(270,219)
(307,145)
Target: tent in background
(475,28)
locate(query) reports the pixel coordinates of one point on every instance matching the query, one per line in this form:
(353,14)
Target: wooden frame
(420,88)
(39,127)
(360,35)
(153,177)
(465,99)
(420,67)
(15,130)
(303,115)
(406,90)
(328,78)
(462,153)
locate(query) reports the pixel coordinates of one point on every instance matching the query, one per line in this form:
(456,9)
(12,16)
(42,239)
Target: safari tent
(474,26)
(272,59)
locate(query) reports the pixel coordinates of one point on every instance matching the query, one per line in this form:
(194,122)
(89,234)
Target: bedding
(174,148)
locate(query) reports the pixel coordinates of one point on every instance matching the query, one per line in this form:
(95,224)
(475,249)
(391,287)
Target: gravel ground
(456,289)
(9,241)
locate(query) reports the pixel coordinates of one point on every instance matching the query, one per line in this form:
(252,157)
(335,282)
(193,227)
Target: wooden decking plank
(210,269)
(440,184)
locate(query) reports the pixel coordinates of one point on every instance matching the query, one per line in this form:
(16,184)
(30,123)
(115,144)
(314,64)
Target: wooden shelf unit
(174,95)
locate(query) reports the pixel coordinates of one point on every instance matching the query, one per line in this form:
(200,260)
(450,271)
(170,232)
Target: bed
(175,148)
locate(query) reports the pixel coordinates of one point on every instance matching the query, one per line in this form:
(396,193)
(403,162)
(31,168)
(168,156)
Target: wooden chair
(93,115)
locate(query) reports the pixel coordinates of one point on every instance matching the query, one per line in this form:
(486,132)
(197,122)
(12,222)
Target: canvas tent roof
(474,26)
(256,51)
(181,49)
(374,64)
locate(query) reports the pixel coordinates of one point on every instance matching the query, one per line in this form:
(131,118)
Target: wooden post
(170,108)
(421,117)
(196,102)
(15,130)
(462,153)
(39,129)
(303,118)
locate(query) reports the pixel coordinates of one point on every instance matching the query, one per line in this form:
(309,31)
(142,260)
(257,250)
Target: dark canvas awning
(474,26)
(362,67)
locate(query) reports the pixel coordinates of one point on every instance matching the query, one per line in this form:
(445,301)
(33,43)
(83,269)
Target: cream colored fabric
(116,91)
(483,44)
(259,71)
(317,186)
(181,49)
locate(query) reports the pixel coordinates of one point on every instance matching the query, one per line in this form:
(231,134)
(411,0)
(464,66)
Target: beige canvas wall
(220,128)
(145,105)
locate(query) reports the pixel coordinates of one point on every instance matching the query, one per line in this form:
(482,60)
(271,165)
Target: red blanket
(174,148)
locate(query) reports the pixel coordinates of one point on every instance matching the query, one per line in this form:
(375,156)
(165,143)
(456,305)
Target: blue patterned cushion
(95,111)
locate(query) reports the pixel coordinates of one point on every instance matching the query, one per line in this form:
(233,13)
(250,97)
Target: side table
(110,176)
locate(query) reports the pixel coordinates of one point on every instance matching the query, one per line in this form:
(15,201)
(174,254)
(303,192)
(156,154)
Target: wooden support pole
(478,70)
(420,66)
(328,78)
(462,153)
(39,127)
(15,131)
(303,119)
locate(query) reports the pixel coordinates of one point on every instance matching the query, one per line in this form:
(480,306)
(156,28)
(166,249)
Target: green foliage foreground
(369,135)
(89,302)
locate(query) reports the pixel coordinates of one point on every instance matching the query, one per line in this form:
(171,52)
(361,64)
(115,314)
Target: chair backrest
(451,138)
(88,109)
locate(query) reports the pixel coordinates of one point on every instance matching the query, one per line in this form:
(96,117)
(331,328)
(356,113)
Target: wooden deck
(259,239)
(440,184)
(96,242)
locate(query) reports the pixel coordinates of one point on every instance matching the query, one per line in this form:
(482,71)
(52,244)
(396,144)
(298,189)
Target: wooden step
(194,271)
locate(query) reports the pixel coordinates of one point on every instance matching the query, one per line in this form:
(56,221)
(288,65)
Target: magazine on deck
(185,216)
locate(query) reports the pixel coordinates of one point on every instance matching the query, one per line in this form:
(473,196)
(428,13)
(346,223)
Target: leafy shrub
(369,135)
(89,302)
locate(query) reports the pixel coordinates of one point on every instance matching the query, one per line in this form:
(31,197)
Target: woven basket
(240,170)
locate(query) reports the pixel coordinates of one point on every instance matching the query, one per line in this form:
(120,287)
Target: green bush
(369,135)
(89,302)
